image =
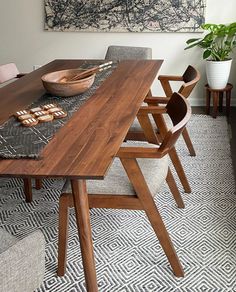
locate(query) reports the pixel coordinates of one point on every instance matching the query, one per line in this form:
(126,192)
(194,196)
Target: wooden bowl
(57,84)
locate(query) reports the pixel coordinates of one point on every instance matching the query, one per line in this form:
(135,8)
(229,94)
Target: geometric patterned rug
(128,255)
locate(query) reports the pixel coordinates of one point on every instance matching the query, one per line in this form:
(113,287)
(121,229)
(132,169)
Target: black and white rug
(128,255)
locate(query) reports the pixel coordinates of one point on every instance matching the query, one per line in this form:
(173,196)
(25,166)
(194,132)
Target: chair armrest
(170,77)
(152,109)
(22,266)
(156,100)
(139,152)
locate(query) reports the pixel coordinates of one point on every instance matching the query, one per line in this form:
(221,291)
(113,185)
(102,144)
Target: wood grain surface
(85,146)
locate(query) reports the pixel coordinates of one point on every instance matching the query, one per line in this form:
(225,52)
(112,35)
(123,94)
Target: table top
(85,146)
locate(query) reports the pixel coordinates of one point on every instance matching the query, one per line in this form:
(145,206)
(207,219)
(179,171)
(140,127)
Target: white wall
(24,41)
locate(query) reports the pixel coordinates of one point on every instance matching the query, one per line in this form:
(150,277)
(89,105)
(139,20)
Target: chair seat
(117,182)
(6,240)
(22,262)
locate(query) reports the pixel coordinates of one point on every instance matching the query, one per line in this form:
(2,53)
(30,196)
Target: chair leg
(188,142)
(174,190)
(179,169)
(28,190)
(38,184)
(63,232)
(136,178)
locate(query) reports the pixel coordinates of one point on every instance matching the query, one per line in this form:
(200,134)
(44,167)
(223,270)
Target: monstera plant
(217,44)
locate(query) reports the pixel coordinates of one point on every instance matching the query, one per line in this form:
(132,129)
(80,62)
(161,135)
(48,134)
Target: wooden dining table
(85,146)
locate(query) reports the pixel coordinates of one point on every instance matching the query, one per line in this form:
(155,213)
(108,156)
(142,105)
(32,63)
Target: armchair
(135,177)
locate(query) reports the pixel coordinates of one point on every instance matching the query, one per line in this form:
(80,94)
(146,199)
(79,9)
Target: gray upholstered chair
(22,262)
(133,180)
(128,53)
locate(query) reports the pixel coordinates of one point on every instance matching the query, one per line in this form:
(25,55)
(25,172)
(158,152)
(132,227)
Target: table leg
(215,104)
(84,229)
(208,101)
(28,190)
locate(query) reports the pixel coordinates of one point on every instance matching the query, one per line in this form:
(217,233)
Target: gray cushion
(22,265)
(6,240)
(117,182)
(128,53)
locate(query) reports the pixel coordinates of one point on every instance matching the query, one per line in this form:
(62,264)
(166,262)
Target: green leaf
(218,42)
(192,41)
(206,54)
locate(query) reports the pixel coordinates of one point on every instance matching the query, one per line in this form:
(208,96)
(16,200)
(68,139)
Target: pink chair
(8,73)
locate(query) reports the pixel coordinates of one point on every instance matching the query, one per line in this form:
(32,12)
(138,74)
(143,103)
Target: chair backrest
(128,53)
(8,72)
(179,110)
(190,77)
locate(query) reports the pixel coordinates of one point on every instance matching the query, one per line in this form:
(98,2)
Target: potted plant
(218,45)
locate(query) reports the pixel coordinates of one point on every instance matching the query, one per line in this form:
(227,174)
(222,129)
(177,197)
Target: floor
(126,264)
(205,228)
(232,123)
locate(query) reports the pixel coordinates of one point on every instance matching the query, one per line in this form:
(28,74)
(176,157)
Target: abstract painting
(125,15)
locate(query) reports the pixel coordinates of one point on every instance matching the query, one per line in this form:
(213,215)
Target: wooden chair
(128,53)
(9,73)
(188,81)
(133,180)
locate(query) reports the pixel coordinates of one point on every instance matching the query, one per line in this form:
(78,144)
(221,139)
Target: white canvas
(124,16)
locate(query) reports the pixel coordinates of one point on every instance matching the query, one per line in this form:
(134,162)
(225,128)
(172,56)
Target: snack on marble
(36,109)
(49,106)
(29,122)
(45,113)
(41,113)
(59,114)
(20,113)
(46,118)
(55,109)
(25,117)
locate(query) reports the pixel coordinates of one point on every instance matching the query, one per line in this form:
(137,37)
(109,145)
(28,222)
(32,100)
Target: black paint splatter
(124,16)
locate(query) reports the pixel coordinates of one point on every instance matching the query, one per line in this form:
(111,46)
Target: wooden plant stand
(218,95)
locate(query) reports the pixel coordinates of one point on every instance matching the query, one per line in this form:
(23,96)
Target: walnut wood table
(218,95)
(85,147)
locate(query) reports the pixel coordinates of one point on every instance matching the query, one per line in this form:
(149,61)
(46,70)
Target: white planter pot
(218,73)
